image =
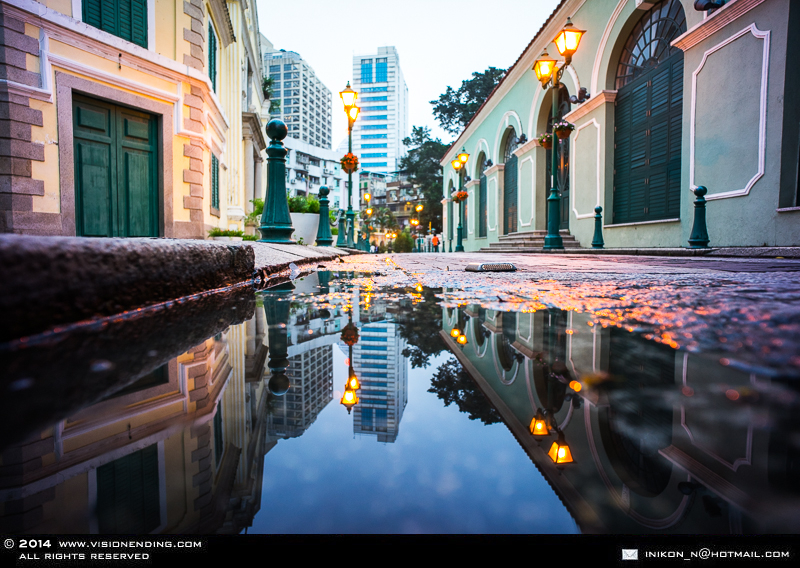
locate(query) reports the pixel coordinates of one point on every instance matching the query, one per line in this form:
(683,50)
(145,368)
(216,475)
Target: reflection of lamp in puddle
(462,339)
(455,332)
(559,451)
(350,337)
(276,308)
(539,426)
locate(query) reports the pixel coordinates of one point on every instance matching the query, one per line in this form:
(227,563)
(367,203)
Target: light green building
(678,98)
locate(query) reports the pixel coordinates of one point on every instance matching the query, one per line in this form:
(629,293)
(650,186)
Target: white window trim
(77,14)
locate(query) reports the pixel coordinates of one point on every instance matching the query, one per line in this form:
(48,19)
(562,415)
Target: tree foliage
(420,323)
(421,163)
(455,108)
(452,384)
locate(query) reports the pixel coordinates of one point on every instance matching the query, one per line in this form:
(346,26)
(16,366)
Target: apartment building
(383,122)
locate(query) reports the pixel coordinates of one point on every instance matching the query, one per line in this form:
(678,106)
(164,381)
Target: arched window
(509,182)
(648,117)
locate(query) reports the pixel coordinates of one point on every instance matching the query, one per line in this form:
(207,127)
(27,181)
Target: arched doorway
(648,117)
(563,159)
(509,182)
(482,194)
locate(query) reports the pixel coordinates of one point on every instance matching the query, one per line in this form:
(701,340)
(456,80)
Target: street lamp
(349,97)
(458,164)
(367,198)
(549,75)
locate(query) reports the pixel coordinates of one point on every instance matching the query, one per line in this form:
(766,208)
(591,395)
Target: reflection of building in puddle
(662,440)
(179,450)
(383,371)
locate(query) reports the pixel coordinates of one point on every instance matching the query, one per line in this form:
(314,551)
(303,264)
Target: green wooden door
(128,499)
(116,170)
(510,195)
(482,198)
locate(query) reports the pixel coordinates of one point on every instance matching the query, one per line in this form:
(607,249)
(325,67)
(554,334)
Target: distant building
(305,103)
(383,98)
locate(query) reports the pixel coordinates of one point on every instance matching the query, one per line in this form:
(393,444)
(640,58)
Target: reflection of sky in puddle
(443,474)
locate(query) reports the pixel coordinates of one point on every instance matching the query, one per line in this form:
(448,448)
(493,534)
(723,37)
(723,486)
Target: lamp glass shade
(349,97)
(568,39)
(456,164)
(463,157)
(369,211)
(560,452)
(544,67)
(353,113)
(349,398)
(353,383)
(455,332)
(462,339)
(539,425)
(419,208)
(367,197)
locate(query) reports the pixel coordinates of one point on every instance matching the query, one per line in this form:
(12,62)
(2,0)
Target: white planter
(229,239)
(305,227)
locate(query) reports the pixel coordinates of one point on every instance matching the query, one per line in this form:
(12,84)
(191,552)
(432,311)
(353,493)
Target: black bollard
(276,224)
(276,308)
(699,236)
(324,235)
(597,240)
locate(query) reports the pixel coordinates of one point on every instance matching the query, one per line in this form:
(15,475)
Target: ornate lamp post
(366,246)
(549,74)
(419,209)
(458,164)
(349,97)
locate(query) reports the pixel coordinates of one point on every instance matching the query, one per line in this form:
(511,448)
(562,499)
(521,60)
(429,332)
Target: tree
(452,384)
(455,108)
(419,324)
(421,163)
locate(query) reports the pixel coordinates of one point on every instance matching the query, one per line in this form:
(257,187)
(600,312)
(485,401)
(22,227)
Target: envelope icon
(630,554)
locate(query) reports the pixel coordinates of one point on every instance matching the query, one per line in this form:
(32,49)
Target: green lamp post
(458,164)
(349,97)
(549,74)
(276,224)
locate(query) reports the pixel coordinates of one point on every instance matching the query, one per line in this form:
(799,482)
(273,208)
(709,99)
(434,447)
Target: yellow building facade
(129,117)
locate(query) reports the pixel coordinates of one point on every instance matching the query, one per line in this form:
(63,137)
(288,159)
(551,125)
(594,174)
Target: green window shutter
(218,439)
(212,56)
(123,18)
(214,182)
(510,195)
(482,191)
(128,494)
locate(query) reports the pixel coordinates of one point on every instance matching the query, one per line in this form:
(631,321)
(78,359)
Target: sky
(439,42)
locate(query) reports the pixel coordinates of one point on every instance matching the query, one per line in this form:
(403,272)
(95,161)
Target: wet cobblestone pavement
(747,310)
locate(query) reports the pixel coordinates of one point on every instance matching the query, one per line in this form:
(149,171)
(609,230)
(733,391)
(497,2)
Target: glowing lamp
(349,399)
(353,383)
(575,385)
(349,97)
(462,339)
(353,113)
(539,425)
(463,156)
(419,208)
(418,287)
(455,332)
(544,67)
(568,39)
(367,197)
(559,451)
(456,164)
(369,211)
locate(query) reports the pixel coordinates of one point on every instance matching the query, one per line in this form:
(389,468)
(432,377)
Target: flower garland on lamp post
(460,196)
(349,161)
(549,75)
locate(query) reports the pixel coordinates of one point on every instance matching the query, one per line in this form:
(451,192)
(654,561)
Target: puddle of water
(228,412)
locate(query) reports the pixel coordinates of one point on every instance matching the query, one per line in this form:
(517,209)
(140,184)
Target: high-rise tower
(383,122)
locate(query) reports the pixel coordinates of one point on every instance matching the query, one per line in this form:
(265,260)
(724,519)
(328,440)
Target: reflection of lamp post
(549,74)
(350,337)
(458,164)
(276,309)
(349,97)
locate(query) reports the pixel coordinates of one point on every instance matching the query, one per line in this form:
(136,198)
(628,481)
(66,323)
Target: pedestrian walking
(435,243)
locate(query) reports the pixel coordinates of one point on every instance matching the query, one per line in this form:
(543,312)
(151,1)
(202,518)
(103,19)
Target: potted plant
(545,140)
(304,212)
(225,235)
(563,129)
(349,163)
(459,196)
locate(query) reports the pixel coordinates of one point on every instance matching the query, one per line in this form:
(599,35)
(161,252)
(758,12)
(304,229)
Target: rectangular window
(374,145)
(374,89)
(381,421)
(218,440)
(374,156)
(372,136)
(374,108)
(373,356)
(274,68)
(381,75)
(374,348)
(372,337)
(214,182)
(374,99)
(123,18)
(375,165)
(212,56)
(366,70)
(376,117)
(374,127)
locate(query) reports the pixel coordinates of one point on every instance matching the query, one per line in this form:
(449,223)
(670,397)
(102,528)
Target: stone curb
(51,281)
(738,252)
